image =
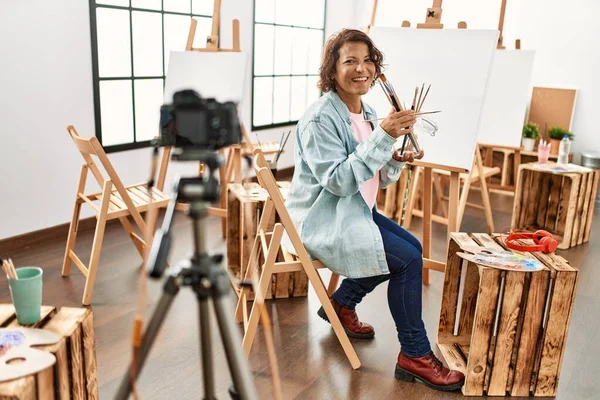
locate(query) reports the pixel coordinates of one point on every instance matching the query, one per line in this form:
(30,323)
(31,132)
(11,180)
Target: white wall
(46,84)
(566,38)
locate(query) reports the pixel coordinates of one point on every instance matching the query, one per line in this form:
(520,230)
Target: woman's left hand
(408,156)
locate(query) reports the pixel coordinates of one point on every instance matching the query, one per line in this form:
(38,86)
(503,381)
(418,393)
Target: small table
(74,373)
(561,203)
(508,330)
(244,205)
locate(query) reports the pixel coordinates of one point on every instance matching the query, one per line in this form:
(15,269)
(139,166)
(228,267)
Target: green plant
(556,132)
(531,131)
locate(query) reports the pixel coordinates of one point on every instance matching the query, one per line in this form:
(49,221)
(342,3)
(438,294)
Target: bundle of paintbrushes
(282,144)
(417,104)
(9,269)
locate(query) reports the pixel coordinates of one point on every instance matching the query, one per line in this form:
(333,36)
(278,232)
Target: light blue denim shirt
(324,199)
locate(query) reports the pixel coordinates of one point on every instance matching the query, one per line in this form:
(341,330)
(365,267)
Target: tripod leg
(206,349)
(238,364)
(170,290)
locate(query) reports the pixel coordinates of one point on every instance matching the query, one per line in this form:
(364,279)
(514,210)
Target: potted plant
(531,132)
(556,133)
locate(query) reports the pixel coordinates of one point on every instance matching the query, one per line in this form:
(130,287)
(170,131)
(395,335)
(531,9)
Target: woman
(340,162)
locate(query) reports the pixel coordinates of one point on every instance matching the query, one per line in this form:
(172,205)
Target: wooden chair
(296,259)
(111,203)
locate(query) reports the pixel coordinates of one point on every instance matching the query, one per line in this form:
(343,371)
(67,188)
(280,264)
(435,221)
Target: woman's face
(354,70)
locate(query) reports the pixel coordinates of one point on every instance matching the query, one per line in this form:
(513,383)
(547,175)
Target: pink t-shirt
(362,130)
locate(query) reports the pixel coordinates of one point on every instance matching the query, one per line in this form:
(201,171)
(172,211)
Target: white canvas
(507,95)
(456,62)
(212,74)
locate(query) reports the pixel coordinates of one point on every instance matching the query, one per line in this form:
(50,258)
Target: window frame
(254,23)
(96,79)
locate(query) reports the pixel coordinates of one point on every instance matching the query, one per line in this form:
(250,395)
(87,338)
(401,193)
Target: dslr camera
(194,123)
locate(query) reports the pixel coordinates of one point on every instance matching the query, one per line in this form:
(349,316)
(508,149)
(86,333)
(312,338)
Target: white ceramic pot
(528,144)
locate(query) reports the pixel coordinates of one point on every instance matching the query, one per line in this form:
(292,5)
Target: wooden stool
(245,204)
(561,203)
(511,327)
(74,373)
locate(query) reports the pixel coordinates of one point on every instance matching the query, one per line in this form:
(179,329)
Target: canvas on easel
(456,63)
(217,73)
(505,106)
(502,118)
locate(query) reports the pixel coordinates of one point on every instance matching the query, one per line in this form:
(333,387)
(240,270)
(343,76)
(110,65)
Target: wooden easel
(508,189)
(233,165)
(232,172)
(480,172)
(432,21)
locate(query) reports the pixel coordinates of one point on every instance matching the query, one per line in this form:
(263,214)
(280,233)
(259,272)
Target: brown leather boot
(353,327)
(428,370)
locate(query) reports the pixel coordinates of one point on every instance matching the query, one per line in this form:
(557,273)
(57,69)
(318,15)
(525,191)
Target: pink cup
(543,153)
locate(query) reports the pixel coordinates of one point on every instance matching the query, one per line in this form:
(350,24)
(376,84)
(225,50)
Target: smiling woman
(341,159)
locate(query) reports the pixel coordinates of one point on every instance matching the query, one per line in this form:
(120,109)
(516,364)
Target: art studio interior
(274,199)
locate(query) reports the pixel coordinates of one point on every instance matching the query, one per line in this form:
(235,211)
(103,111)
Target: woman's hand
(408,156)
(398,123)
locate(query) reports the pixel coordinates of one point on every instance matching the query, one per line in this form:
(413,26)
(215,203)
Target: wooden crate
(508,331)
(245,202)
(74,373)
(561,203)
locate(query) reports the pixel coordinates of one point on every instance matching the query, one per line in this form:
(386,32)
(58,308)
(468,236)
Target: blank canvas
(507,95)
(456,62)
(212,74)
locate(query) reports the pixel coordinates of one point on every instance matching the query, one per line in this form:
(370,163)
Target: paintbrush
(412,107)
(389,91)
(9,269)
(415,114)
(420,104)
(283,145)
(259,143)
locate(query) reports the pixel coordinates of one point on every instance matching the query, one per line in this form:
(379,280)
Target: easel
(232,172)
(507,189)
(233,165)
(479,172)
(432,21)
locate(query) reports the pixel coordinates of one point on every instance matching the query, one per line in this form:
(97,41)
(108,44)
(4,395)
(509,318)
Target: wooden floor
(312,363)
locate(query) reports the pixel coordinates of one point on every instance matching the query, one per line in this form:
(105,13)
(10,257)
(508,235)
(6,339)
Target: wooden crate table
(508,331)
(560,203)
(74,373)
(245,202)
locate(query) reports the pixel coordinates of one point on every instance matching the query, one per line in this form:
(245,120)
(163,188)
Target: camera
(192,122)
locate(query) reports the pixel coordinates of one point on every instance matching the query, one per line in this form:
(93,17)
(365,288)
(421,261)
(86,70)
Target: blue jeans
(404,256)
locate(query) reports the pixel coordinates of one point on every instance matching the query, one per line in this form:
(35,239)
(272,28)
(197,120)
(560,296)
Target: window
(131,43)
(288,41)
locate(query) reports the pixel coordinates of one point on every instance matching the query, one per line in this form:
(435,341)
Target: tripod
(203,274)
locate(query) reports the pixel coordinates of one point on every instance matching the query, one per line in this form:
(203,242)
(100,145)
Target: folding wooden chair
(120,202)
(296,259)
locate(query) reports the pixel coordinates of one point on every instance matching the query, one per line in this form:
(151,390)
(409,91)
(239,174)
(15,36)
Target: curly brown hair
(331,55)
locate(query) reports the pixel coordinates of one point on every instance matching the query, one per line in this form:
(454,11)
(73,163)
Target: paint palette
(15,345)
(501,259)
